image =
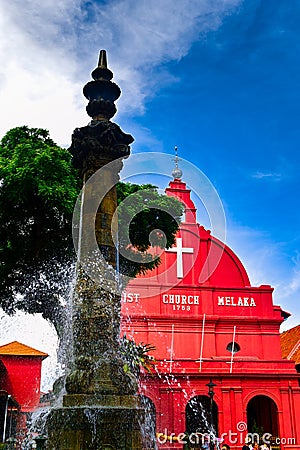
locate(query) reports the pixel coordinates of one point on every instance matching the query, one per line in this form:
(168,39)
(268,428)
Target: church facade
(218,358)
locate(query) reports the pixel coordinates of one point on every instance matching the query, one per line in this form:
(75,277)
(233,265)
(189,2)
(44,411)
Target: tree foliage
(137,356)
(38,190)
(37,194)
(152,219)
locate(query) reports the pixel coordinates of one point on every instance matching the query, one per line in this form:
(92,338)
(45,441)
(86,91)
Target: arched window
(233,345)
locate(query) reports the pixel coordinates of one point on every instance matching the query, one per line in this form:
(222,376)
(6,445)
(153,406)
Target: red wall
(24,378)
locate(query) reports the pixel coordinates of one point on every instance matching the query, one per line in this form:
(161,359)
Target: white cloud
(294,285)
(291,287)
(48,49)
(36,87)
(275,176)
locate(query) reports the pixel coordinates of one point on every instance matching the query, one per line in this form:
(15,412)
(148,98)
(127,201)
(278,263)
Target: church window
(233,347)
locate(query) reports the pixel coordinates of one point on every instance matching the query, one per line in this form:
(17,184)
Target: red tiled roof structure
(290,344)
(15,348)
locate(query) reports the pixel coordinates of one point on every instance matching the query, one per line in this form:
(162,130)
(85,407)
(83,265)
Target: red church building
(212,330)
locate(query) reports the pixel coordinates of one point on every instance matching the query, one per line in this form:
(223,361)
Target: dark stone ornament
(101,93)
(101,139)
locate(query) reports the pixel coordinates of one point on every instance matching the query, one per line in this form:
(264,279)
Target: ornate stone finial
(176,173)
(101,93)
(101,141)
(102,72)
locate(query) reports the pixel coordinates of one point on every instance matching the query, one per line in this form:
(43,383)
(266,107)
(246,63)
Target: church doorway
(262,415)
(198,415)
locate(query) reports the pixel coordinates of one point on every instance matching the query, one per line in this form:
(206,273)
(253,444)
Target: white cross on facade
(180,250)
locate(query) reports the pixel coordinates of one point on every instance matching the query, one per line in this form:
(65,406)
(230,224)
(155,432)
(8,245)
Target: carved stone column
(100,407)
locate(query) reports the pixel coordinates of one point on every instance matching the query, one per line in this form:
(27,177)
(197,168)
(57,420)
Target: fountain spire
(101,92)
(100,406)
(102,71)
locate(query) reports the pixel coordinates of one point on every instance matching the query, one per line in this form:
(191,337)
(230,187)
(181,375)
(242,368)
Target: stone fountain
(100,408)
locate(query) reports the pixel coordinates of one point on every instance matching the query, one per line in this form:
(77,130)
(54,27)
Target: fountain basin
(93,427)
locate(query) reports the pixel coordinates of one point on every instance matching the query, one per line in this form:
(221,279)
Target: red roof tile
(290,344)
(15,348)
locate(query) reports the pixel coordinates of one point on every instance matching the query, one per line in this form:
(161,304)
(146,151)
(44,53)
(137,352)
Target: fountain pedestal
(91,428)
(100,409)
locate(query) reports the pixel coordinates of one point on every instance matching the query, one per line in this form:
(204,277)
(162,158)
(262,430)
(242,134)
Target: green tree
(37,194)
(38,190)
(147,212)
(137,356)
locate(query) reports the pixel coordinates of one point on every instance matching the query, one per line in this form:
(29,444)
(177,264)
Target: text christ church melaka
(206,321)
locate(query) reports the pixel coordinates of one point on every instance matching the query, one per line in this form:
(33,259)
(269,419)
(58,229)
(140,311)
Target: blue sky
(234,112)
(218,78)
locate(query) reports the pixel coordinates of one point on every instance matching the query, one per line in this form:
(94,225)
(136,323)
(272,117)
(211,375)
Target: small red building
(207,322)
(20,379)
